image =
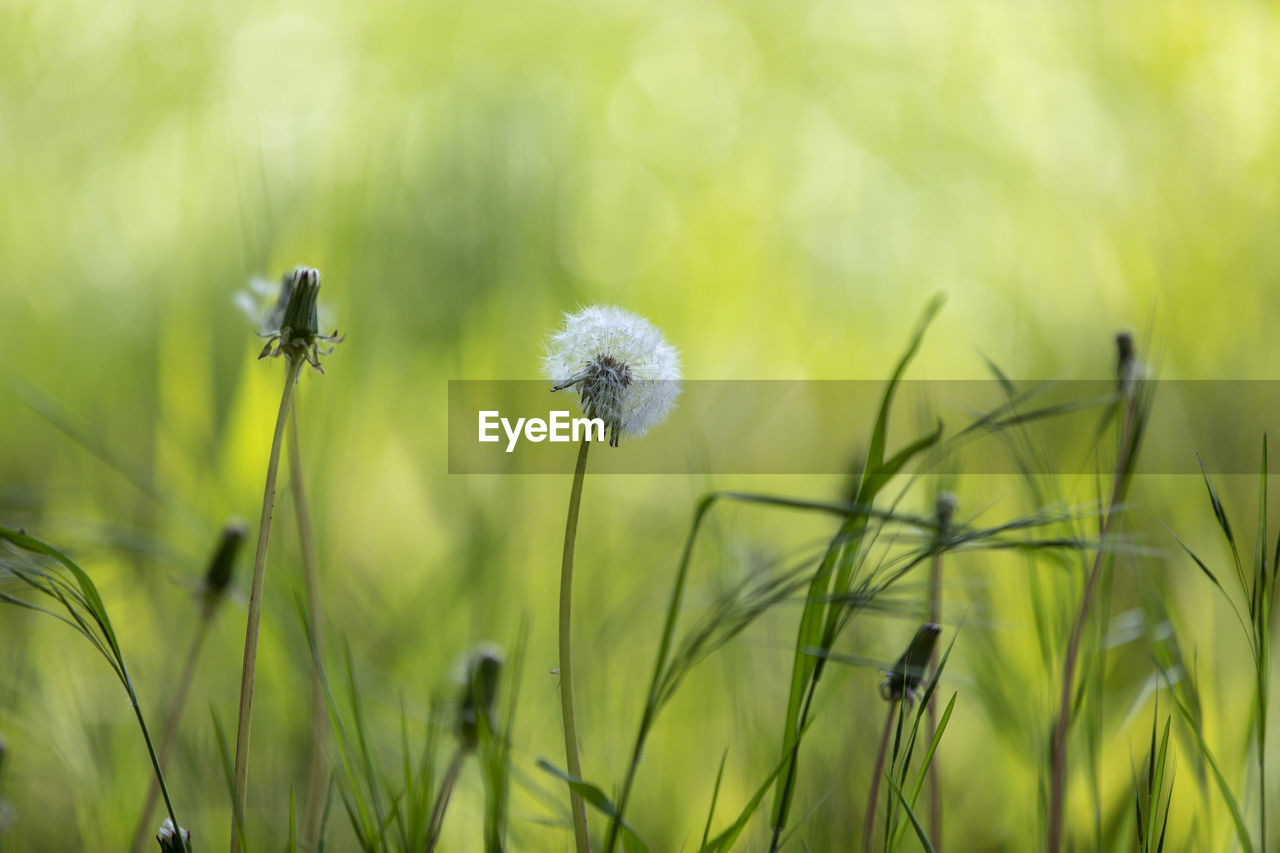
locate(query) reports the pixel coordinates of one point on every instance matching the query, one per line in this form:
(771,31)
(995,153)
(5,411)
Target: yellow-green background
(779,186)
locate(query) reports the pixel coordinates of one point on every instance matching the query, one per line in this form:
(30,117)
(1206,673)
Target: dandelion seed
(292,325)
(625,371)
(168,838)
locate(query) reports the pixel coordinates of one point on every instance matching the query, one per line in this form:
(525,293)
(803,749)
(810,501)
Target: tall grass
(85,612)
(878,557)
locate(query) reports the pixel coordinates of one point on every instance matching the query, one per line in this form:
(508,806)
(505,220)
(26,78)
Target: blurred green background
(780,187)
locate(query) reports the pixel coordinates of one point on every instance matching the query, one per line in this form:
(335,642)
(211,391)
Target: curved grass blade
(592,795)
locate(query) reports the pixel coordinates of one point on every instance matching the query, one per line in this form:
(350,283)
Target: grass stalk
(1062,723)
(145,830)
(447,784)
(313,806)
(249,670)
(155,761)
(935,617)
(572,760)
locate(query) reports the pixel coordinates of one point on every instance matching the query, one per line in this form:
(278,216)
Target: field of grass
(784,190)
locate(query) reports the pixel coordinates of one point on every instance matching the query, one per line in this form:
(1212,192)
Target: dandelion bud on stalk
(1128,368)
(945,509)
(479,691)
(299,332)
(218,576)
(169,839)
(908,674)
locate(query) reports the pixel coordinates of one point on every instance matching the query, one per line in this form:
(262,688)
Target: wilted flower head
(168,838)
(626,373)
(479,676)
(293,324)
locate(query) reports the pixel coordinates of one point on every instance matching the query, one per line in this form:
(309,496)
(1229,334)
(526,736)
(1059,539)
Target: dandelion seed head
(168,837)
(625,371)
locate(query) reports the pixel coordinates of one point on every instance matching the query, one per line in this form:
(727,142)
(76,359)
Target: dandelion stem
(144,830)
(574,764)
(868,825)
(249,670)
(319,713)
(1058,757)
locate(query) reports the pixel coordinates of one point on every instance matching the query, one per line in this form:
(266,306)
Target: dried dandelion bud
(903,681)
(625,371)
(480,673)
(218,576)
(298,335)
(168,838)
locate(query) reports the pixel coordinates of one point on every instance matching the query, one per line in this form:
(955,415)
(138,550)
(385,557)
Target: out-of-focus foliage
(779,186)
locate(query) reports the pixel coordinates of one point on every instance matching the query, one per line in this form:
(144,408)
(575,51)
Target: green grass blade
(1220,514)
(92,599)
(715,795)
(1242,833)
(911,815)
(725,840)
(923,773)
(594,797)
(228,772)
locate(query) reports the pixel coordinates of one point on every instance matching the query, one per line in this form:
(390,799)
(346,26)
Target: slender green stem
(436,824)
(314,806)
(1058,755)
(151,751)
(869,823)
(652,701)
(144,830)
(574,764)
(1262,749)
(935,792)
(250,667)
